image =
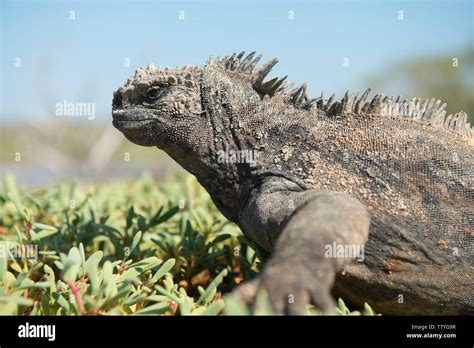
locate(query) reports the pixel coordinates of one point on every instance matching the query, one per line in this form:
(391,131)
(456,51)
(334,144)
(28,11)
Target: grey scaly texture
(391,175)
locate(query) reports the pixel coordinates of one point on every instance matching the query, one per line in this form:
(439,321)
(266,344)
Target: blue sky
(82,60)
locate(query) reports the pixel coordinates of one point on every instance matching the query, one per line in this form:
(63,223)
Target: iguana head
(202,115)
(158,106)
(164,107)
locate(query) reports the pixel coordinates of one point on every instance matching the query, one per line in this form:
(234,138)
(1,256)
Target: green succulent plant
(123,248)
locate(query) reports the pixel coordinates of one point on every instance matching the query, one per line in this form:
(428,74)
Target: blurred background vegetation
(448,78)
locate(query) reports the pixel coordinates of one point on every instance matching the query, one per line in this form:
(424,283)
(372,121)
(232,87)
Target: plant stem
(77,296)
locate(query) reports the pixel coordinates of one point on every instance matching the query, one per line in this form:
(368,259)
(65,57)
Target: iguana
(314,180)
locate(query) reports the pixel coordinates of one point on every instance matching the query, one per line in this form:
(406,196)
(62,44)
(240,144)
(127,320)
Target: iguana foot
(291,286)
(301,270)
(247,291)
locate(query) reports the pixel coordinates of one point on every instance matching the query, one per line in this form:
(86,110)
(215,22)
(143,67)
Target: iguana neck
(218,166)
(220,178)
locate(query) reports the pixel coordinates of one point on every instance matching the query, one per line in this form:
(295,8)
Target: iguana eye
(155,92)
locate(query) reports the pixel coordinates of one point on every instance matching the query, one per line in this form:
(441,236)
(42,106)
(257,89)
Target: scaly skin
(394,176)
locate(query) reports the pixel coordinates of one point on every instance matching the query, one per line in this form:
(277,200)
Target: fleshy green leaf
(72,265)
(158,308)
(165,268)
(207,295)
(91,270)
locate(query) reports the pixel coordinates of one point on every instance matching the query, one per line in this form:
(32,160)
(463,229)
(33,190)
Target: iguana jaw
(138,125)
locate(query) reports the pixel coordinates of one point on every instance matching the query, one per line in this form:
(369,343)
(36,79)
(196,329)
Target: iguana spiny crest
(429,111)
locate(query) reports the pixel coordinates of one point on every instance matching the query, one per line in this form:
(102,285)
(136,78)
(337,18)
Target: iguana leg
(300,227)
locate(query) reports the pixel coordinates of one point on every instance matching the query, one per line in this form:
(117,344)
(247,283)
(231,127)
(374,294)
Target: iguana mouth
(139,125)
(131,124)
(129,115)
(131,119)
